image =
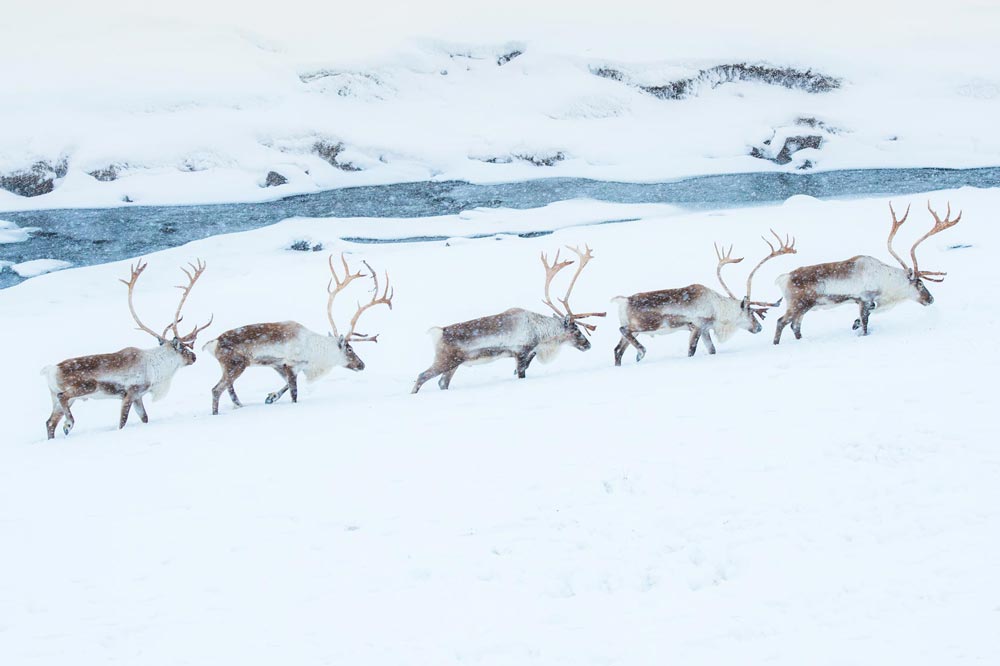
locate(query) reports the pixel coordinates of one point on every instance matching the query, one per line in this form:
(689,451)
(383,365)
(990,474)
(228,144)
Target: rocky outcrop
(108,173)
(274,179)
(713,77)
(38,179)
(330,153)
(791,145)
(535,159)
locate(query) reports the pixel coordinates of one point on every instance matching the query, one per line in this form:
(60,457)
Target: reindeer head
(183,345)
(336,285)
(753,312)
(571,323)
(919,292)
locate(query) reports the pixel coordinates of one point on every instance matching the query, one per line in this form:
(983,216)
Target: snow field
(828,501)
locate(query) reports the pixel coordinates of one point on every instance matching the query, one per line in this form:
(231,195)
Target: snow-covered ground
(188,101)
(829,501)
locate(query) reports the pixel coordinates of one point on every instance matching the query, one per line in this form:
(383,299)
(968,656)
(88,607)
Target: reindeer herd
(290,348)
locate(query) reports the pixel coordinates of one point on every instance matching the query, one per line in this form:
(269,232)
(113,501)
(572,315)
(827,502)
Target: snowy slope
(198,102)
(828,501)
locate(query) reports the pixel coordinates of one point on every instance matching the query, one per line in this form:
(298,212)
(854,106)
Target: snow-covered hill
(828,501)
(114,102)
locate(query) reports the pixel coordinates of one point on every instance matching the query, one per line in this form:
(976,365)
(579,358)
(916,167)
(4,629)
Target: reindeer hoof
(639,355)
(857,325)
(66,429)
(271,397)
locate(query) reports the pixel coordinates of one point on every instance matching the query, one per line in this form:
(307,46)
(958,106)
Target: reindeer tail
(50,372)
(783,282)
(210,346)
(622,302)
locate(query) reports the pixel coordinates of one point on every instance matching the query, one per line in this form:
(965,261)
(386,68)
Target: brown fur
(236,350)
(86,376)
(453,347)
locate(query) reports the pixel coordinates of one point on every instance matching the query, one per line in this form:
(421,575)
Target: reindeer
(517,333)
(863,280)
(127,374)
(290,348)
(695,308)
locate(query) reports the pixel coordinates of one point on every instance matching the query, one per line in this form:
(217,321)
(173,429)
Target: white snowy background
(828,501)
(197,100)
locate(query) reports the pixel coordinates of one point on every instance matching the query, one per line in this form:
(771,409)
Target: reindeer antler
(725,257)
(137,270)
(939,226)
(896,224)
(340,286)
(384,299)
(196,270)
(551,272)
(786,246)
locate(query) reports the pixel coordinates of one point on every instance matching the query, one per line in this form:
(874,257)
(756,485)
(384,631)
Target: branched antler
(896,224)
(939,226)
(336,285)
(725,257)
(551,272)
(384,299)
(196,270)
(786,246)
(137,270)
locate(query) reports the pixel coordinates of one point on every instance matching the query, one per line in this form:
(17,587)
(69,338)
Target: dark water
(98,235)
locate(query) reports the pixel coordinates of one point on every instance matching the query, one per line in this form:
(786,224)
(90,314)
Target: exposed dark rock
(794,144)
(815,123)
(507,57)
(274,179)
(330,152)
(107,174)
(542,160)
(713,77)
(37,180)
(305,246)
(128,199)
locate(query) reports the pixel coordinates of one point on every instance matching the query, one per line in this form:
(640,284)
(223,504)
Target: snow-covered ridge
(183,109)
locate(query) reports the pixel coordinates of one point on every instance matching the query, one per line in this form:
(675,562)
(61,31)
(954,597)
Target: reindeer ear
(176,344)
(567,320)
(744,304)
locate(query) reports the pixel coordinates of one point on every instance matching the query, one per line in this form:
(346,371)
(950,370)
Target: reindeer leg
(523,361)
(793,315)
(861,322)
(54,418)
(708,341)
(229,375)
(780,326)
(293,384)
(445,380)
(693,342)
(64,404)
(620,351)
(630,337)
(140,409)
(275,396)
(426,375)
(126,407)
